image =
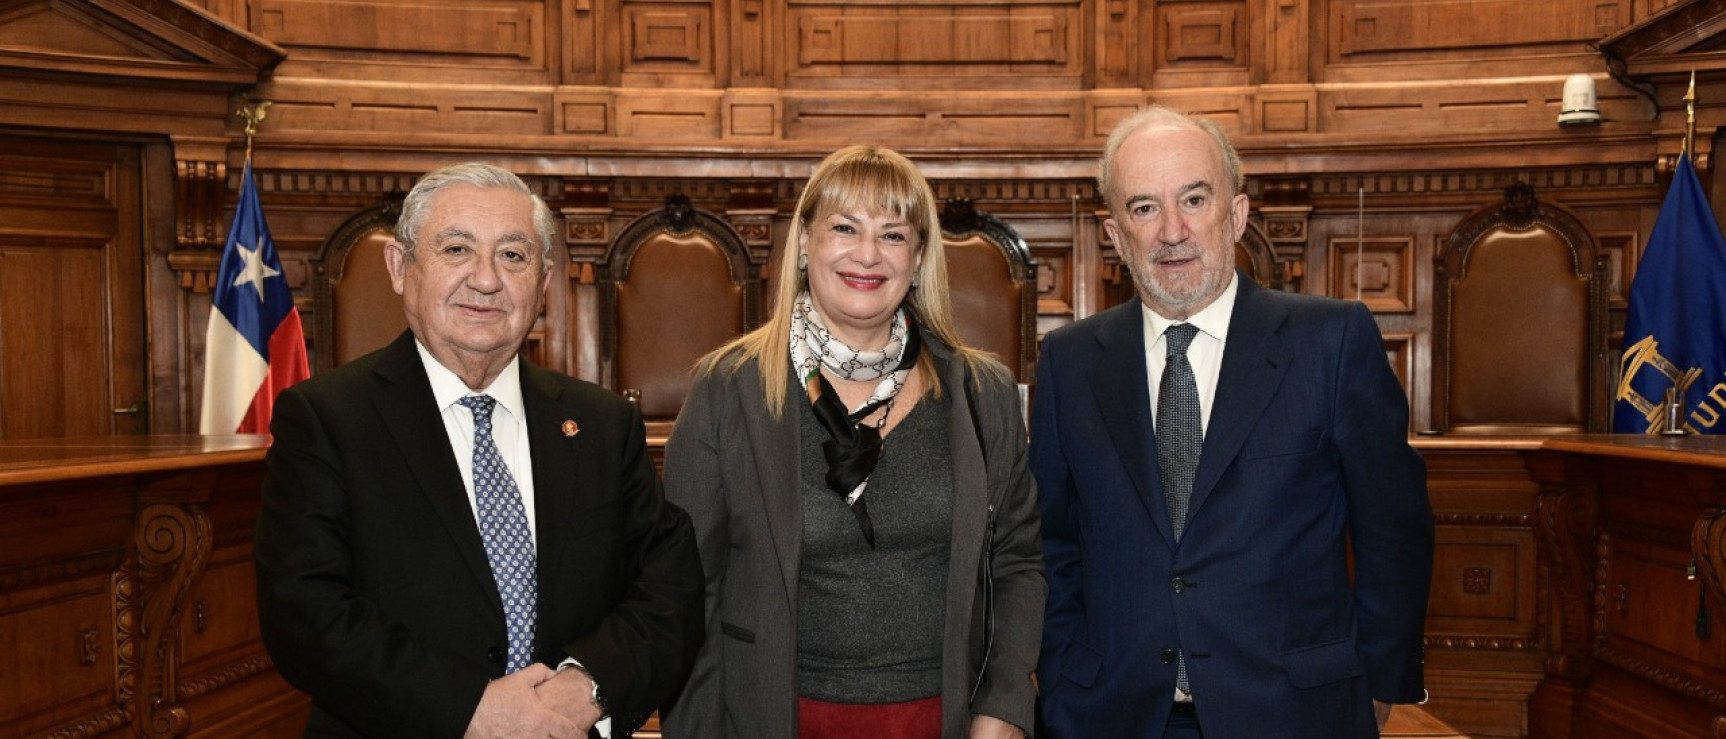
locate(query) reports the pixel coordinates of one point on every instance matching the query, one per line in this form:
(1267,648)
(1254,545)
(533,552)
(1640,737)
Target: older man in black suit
(455,542)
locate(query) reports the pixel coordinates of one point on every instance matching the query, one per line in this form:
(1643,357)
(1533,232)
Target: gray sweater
(869,620)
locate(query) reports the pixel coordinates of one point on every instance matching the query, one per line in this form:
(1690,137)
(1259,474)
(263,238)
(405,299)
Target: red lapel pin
(570,428)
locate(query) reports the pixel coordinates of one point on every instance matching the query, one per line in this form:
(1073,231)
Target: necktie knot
(1180,336)
(481,406)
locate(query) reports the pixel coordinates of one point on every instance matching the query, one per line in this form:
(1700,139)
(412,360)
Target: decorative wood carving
(1708,546)
(117,541)
(1203,32)
(1565,525)
(170,546)
(1378,271)
(199,187)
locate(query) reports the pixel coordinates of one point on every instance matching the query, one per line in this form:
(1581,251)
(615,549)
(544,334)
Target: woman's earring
(916,280)
(802,261)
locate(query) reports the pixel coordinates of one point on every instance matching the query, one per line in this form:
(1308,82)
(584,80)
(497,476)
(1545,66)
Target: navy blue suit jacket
(1305,455)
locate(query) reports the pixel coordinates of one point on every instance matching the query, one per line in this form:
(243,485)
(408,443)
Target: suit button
(495,654)
(1167,656)
(1179,585)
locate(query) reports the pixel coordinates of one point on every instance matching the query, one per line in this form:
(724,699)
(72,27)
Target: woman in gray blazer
(857,478)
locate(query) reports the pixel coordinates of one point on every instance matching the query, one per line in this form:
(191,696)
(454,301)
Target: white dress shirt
(1205,354)
(508,428)
(508,431)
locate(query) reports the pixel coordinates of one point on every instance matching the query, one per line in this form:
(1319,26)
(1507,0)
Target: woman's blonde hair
(874,180)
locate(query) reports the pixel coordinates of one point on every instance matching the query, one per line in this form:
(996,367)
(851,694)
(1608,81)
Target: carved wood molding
(1565,518)
(59,569)
(200,192)
(1490,182)
(1483,519)
(225,675)
(1708,546)
(1487,643)
(200,187)
(1624,660)
(170,545)
(98,724)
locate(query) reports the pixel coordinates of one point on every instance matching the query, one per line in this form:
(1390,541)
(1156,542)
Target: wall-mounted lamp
(1580,106)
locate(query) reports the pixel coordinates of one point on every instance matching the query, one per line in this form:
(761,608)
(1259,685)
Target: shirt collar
(447,388)
(1213,320)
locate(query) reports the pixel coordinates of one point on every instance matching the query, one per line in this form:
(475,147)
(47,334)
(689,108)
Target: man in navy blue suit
(1207,456)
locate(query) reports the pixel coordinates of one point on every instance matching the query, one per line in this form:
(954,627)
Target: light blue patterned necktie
(1180,436)
(503,526)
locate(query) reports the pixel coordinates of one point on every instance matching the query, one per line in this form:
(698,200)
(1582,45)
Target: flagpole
(1689,118)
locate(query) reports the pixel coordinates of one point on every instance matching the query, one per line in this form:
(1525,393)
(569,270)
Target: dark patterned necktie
(1180,435)
(503,526)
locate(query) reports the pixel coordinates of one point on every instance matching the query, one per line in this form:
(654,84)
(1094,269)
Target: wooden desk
(127,601)
(1484,651)
(1621,520)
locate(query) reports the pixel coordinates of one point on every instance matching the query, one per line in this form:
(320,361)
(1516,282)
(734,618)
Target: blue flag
(1675,332)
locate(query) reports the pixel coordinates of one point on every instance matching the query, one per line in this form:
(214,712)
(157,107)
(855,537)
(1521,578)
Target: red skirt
(919,719)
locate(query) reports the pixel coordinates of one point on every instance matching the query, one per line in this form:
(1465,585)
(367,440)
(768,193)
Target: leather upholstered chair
(1255,257)
(993,281)
(1519,323)
(677,285)
(356,310)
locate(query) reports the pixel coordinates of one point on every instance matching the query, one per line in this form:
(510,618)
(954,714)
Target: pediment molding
(1692,28)
(155,40)
(163,67)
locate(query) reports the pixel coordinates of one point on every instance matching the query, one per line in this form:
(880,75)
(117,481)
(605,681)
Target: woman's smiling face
(860,269)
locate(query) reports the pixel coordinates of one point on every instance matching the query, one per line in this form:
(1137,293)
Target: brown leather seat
(993,282)
(357,310)
(1519,322)
(677,287)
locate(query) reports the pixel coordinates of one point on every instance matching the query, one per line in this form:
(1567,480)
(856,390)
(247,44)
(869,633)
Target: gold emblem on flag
(1645,354)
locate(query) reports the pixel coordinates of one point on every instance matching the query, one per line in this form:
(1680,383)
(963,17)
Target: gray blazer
(735,470)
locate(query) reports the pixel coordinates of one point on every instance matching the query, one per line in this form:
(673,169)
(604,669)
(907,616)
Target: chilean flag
(254,346)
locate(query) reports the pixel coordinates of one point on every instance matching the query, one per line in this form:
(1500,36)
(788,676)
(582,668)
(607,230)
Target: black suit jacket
(374,592)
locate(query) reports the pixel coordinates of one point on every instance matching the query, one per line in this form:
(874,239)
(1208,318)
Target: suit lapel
(1124,401)
(777,447)
(1254,362)
(404,400)
(556,459)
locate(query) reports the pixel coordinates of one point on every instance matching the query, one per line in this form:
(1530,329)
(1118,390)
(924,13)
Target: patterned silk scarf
(852,448)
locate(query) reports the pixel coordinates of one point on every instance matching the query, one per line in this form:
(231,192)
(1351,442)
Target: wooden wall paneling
(953,119)
(1376,270)
(1365,31)
(316,104)
(751,37)
(1202,43)
(501,41)
(72,355)
(1280,43)
(1033,43)
(670,114)
(1116,45)
(671,42)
